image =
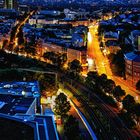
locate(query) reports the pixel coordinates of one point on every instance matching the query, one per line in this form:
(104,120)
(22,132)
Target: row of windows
(129,72)
(136,74)
(135,68)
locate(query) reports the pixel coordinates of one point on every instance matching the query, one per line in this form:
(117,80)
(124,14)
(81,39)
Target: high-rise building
(10,4)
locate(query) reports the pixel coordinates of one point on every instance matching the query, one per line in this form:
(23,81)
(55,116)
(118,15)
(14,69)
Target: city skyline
(70,70)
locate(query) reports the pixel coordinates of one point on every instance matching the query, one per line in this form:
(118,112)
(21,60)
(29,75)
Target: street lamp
(89,37)
(105,51)
(90,61)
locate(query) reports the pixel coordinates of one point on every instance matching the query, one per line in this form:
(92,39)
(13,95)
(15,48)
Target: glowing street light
(89,37)
(105,51)
(16,41)
(90,61)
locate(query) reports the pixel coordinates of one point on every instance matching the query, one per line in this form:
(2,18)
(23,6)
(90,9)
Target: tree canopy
(118,92)
(110,85)
(91,79)
(71,128)
(75,66)
(62,105)
(117,63)
(128,102)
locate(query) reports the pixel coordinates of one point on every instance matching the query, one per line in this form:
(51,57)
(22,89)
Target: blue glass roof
(15,104)
(133,56)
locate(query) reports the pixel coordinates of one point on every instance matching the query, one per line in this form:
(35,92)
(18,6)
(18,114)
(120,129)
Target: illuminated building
(72,53)
(132,62)
(10,4)
(18,104)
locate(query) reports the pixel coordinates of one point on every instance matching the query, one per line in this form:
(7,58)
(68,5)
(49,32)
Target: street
(115,125)
(102,63)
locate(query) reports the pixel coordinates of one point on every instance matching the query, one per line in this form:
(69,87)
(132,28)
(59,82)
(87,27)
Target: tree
(107,28)
(102,80)
(75,66)
(48,55)
(42,80)
(138,85)
(111,57)
(71,128)
(59,59)
(30,50)
(118,92)
(109,86)
(62,105)
(20,37)
(128,102)
(127,119)
(91,79)
(62,58)
(16,49)
(5,44)
(56,58)
(92,75)
(117,60)
(13,32)
(137,109)
(32,40)
(10,47)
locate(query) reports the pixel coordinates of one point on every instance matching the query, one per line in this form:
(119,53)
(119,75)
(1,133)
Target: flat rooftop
(44,125)
(13,129)
(13,104)
(20,88)
(133,56)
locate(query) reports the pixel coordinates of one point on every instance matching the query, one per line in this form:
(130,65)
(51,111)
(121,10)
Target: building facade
(10,4)
(132,62)
(72,53)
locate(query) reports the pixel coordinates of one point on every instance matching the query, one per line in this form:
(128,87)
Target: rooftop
(46,125)
(17,113)
(133,56)
(13,129)
(13,104)
(29,89)
(49,12)
(43,126)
